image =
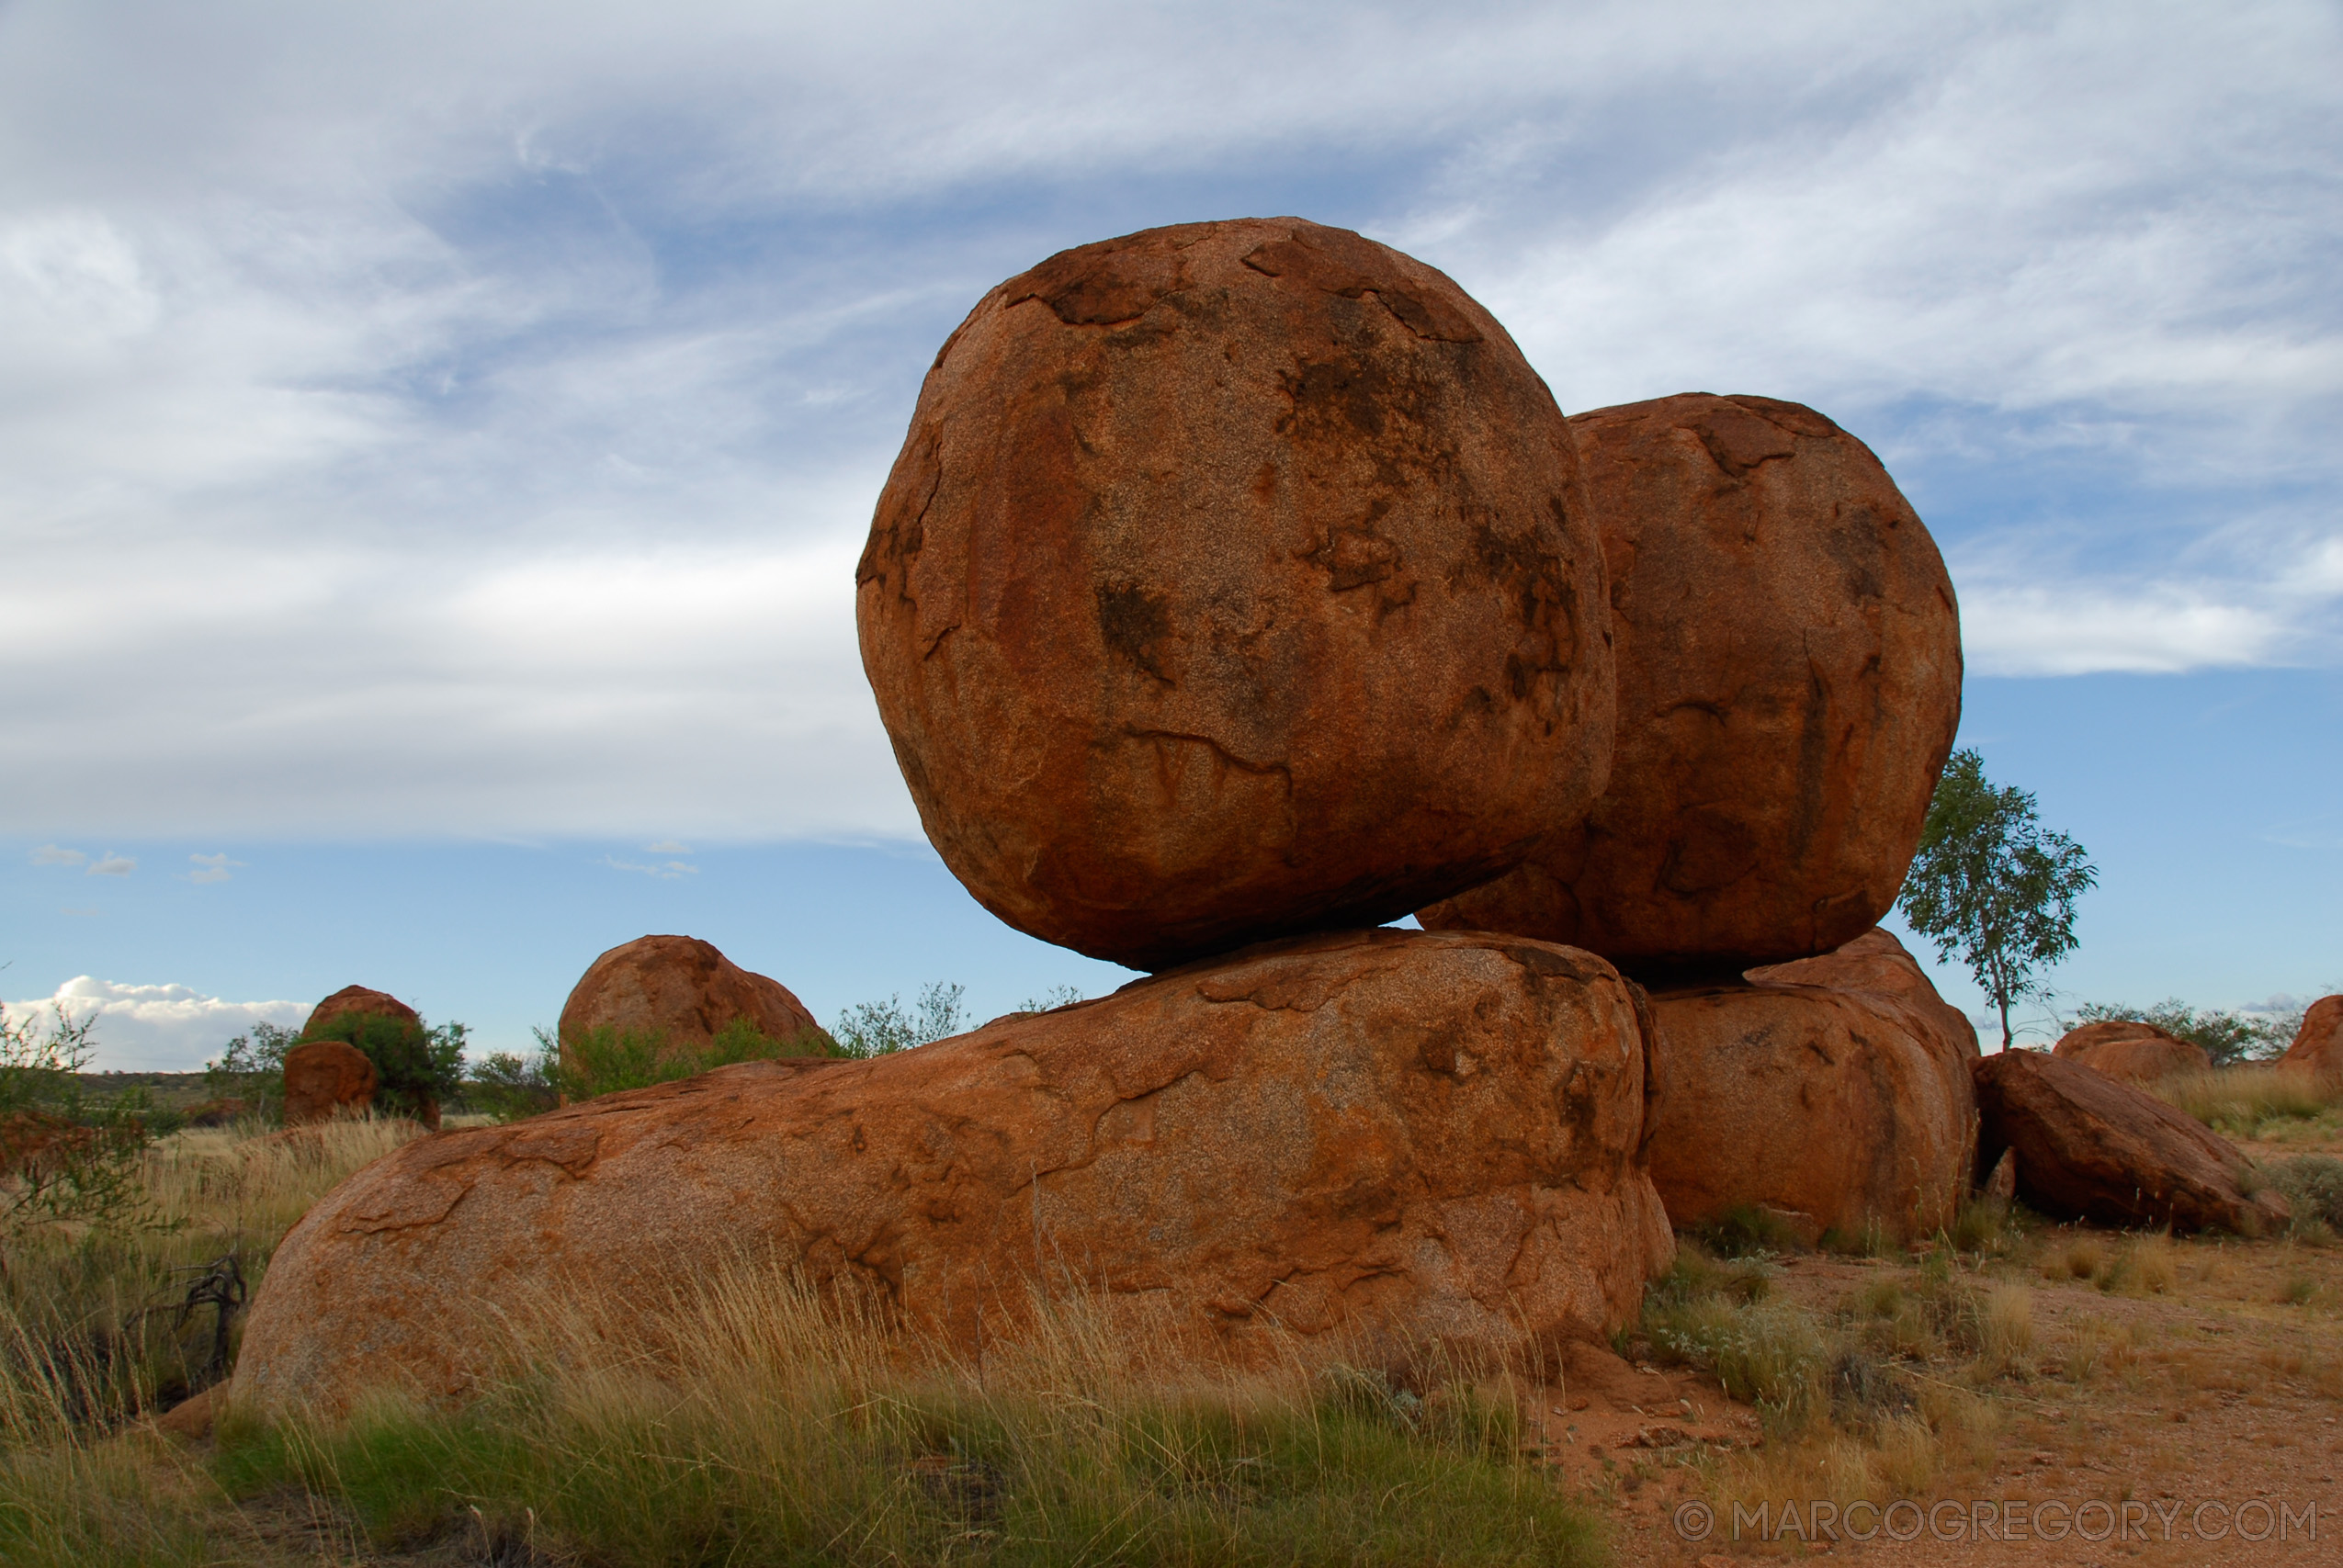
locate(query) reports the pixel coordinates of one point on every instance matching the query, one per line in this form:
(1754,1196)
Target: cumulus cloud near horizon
(156,1029)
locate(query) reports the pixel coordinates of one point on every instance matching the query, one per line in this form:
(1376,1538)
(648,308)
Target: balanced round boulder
(2092,1149)
(1842,1110)
(2318,1044)
(2128,1049)
(683,992)
(1393,1136)
(1234,580)
(1788,667)
(326,1078)
(359,1001)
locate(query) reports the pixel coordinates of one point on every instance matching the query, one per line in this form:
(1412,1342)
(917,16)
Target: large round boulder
(681,992)
(1842,1111)
(1397,1137)
(1234,580)
(2318,1044)
(2135,1052)
(1789,668)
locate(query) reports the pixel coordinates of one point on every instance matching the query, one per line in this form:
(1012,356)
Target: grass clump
(774,1427)
(2261,1102)
(2313,1185)
(1748,1230)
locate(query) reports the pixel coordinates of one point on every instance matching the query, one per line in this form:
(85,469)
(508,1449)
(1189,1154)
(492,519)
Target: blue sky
(434,440)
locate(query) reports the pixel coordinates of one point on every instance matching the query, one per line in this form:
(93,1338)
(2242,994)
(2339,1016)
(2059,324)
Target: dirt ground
(2147,1414)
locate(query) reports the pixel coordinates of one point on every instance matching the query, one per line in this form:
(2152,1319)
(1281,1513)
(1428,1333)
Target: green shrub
(251,1069)
(590,1062)
(1745,1230)
(880,1029)
(2313,1186)
(67,1155)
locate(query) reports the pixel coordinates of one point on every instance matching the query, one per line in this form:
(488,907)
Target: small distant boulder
(2137,1053)
(2318,1044)
(326,1078)
(2092,1149)
(1839,1109)
(357,1000)
(682,990)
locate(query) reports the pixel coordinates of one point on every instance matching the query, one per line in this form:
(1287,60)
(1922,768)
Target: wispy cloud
(213,868)
(50,855)
(667,846)
(111,864)
(666,871)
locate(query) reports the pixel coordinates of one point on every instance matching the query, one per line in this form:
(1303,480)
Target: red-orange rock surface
(2090,1147)
(1789,685)
(1876,961)
(326,1077)
(360,1001)
(684,988)
(2318,1044)
(1234,580)
(2135,1052)
(1412,1135)
(1848,1107)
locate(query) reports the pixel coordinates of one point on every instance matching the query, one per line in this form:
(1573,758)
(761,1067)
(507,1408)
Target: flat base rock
(2091,1148)
(1402,1138)
(1841,1109)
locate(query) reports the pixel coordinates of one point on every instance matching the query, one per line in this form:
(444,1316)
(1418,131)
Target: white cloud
(667,846)
(156,1028)
(111,864)
(212,868)
(420,420)
(50,855)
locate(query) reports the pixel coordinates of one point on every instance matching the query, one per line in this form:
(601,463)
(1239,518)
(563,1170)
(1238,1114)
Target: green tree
(879,1029)
(1993,886)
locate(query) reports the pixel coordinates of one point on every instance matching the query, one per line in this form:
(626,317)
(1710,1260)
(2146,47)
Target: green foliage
(2228,1037)
(1056,997)
(414,1067)
(68,1156)
(251,1069)
(1746,1230)
(587,1063)
(878,1029)
(1991,884)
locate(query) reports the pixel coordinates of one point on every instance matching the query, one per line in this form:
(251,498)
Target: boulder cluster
(1239,588)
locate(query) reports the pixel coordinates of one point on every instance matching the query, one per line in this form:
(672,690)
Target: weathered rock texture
(1844,1109)
(1234,579)
(1876,961)
(2318,1044)
(357,1000)
(2134,1052)
(1789,685)
(684,988)
(2089,1147)
(325,1079)
(1417,1135)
